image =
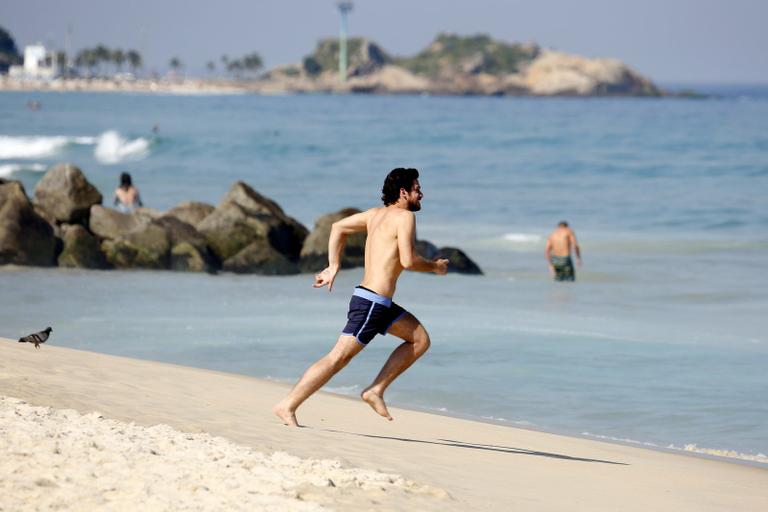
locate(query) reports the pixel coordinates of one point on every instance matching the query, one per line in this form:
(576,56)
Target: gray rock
(191,212)
(185,257)
(81,249)
(25,237)
(189,248)
(245,217)
(111,224)
(229,229)
(426,250)
(260,258)
(314,253)
(66,194)
(458,261)
(148,247)
(286,234)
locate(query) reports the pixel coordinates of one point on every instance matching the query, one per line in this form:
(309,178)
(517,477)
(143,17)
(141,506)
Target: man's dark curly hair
(397,179)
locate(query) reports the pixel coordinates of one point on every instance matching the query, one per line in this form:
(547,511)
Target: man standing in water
(390,248)
(558,252)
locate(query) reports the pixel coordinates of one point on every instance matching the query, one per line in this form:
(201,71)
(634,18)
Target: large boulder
(25,237)
(458,261)
(286,234)
(112,224)
(314,253)
(189,248)
(66,194)
(260,258)
(147,247)
(244,217)
(557,73)
(81,249)
(426,250)
(191,212)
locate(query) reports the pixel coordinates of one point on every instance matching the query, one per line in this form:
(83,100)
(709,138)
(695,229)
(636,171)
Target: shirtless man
(389,249)
(558,253)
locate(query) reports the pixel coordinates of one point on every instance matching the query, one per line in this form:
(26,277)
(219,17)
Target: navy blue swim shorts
(370,314)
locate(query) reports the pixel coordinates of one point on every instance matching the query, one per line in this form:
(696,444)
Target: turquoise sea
(662,340)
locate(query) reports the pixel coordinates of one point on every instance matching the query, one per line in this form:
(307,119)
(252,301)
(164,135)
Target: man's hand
(551,270)
(326,277)
(441,266)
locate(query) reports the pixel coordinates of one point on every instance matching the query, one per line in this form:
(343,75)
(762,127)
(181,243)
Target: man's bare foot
(287,416)
(376,402)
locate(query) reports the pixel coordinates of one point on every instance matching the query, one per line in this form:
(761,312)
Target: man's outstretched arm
(406,245)
(339,232)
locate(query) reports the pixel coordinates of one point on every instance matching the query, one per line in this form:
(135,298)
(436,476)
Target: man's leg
(316,376)
(416,343)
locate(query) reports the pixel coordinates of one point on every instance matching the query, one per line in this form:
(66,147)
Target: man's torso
(382,256)
(560,239)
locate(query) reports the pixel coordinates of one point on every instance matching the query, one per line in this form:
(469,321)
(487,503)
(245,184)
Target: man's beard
(414,206)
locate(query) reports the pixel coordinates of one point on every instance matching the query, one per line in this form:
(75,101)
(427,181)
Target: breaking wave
(113,148)
(37,146)
(8,169)
(522,238)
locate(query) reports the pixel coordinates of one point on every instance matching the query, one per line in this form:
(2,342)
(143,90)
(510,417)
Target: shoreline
(489,467)
(222,86)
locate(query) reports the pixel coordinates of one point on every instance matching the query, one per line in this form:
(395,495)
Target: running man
(558,253)
(389,249)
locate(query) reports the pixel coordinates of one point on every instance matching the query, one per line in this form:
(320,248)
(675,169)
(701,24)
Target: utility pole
(345,6)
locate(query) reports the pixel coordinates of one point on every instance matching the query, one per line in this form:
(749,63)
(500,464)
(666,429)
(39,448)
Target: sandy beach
(82,430)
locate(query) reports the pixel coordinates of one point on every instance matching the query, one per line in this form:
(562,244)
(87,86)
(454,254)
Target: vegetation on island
(9,53)
(451,53)
(362,54)
(448,54)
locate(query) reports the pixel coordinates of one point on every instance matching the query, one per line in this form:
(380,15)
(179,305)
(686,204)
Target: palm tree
(235,67)
(211,66)
(252,62)
(118,57)
(134,60)
(86,58)
(102,54)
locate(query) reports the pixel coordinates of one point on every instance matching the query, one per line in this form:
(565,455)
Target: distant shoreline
(219,86)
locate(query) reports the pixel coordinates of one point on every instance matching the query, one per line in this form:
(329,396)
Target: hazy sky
(715,41)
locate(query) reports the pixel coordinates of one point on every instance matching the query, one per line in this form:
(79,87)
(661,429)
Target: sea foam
(37,146)
(8,169)
(522,238)
(113,148)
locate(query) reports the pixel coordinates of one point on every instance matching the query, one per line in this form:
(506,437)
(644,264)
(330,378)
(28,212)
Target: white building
(38,63)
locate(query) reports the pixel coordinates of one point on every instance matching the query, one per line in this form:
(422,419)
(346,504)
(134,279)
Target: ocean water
(662,340)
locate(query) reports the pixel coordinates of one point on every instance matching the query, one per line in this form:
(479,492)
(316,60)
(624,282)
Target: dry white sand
(117,458)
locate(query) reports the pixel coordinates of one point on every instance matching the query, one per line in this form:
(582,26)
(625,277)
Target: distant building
(38,63)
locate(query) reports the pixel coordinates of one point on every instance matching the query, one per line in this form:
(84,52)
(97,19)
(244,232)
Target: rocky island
(450,65)
(65,225)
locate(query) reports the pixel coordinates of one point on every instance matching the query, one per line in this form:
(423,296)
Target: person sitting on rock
(127,196)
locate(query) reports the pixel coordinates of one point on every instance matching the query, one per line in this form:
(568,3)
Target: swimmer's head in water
(125,180)
(399,180)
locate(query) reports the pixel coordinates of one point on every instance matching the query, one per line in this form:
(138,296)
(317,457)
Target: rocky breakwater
(65,225)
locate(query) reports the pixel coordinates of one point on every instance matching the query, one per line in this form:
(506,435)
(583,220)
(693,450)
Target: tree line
(91,58)
(101,60)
